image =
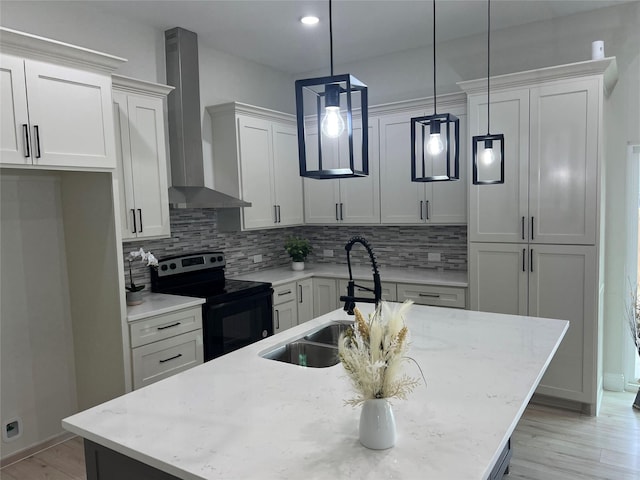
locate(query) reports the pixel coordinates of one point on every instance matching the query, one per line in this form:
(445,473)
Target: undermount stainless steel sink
(329,334)
(317,349)
(305,354)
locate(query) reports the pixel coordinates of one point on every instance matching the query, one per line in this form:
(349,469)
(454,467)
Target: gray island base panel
(242,416)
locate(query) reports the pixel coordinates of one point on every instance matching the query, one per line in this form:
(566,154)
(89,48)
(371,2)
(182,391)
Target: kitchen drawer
(160,327)
(167,357)
(284,293)
(388,289)
(432,295)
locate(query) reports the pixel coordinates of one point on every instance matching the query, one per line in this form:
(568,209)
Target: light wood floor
(548,444)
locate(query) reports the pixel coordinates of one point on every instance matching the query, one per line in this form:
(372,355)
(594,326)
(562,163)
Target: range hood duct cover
(185,130)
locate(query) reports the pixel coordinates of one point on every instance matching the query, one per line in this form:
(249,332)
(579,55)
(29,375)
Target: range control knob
(219,258)
(213,259)
(172,266)
(265,334)
(164,268)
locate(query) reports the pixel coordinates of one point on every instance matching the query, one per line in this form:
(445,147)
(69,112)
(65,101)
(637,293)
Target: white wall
(38,375)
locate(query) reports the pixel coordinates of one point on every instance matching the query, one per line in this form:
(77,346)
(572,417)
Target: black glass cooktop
(214,292)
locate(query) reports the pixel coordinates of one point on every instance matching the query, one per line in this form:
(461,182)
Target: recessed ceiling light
(309,20)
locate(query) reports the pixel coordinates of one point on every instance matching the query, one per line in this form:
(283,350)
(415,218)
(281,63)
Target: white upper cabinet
(499,213)
(406,202)
(142,157)
(551,163)
(56,112)
(255,158)
(348,200)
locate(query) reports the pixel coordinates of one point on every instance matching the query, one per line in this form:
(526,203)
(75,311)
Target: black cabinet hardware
(25,131)
(524,254)
(523,228)
(531,260)
(37,130)
(171,358)
(133,215)
(421,214)
(140,215)
(169,326)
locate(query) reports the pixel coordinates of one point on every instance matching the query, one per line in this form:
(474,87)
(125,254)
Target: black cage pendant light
(435,139)
(332,141)
(488,150)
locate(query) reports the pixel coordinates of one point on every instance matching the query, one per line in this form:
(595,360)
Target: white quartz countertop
(278,276)
(159,304)
(242,416)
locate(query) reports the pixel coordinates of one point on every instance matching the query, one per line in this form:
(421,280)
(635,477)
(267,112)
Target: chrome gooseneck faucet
(350,299)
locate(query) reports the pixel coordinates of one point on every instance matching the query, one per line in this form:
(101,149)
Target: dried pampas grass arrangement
(373,351)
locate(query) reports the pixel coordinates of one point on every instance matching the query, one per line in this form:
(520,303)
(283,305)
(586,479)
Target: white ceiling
(269,31)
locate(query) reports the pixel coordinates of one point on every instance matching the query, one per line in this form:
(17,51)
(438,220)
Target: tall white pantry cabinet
(534,241)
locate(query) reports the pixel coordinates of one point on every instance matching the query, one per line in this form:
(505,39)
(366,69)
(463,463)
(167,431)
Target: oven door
(237,323)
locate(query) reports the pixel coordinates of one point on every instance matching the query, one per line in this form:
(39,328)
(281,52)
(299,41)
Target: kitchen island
(242,416)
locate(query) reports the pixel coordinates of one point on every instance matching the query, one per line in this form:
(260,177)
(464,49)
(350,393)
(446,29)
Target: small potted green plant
(298,249)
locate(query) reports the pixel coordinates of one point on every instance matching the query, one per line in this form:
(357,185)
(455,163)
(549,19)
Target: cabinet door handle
(341,217)
(531,260)
(275,214)
(37,130)
(522,226)
(277,320)
(421,214)
(169,326)
(430,295)
(300,287)
(25,131)
(171,358)
(524,254)
(133,215)
(140,215)
(532,227)
(427,206)
(279,217)
(337,218)
(284,293)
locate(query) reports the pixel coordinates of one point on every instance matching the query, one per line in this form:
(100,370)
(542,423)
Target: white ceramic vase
(377,424)
(297,266)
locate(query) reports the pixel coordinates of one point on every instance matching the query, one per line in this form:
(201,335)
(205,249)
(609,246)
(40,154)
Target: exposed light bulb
(332,123)
(434,144)
(487,157)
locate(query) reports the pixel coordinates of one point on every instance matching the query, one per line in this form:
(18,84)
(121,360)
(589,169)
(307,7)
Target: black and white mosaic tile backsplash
(194,230)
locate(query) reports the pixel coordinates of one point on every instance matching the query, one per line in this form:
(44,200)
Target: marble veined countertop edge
(281,275)
(160,304)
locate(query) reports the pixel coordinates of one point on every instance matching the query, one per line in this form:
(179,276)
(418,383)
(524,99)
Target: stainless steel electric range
(236,312)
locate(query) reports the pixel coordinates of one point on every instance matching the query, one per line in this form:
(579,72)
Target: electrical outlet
(12,429)
(328,253)
(434,257)
(257,258)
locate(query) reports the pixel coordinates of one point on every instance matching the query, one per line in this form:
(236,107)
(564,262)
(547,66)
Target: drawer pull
(288,292)
(169,326)
(430,295)
(171,358)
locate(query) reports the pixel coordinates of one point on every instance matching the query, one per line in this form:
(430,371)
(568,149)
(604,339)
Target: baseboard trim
(32,450)
(571,405)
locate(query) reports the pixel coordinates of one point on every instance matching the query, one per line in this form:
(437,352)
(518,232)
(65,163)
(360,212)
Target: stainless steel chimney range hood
(185,130)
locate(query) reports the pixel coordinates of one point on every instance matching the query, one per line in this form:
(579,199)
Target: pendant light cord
(434,57)
(331,37)
(488,63)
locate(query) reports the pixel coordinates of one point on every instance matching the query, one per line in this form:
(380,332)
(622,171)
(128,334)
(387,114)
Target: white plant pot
(297,266)
(377,424)
(134,298)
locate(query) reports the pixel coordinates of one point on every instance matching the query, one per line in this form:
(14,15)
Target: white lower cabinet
(552,281)
(285,307)
(164,345)
(292,304)
(388,289)
(436,295)
(325,295)
(305,300)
